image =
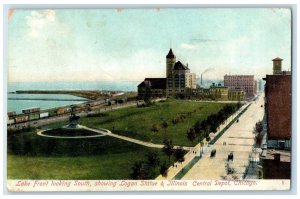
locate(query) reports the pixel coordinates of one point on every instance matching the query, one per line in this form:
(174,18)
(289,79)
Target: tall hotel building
(244,82)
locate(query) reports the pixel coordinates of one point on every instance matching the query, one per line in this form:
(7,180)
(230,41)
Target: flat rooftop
(285,156)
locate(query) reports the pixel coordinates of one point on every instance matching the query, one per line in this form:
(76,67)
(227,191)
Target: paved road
(239,139)
(174,170)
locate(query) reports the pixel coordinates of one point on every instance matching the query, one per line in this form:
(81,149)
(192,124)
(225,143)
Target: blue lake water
(116,86)
(19,105)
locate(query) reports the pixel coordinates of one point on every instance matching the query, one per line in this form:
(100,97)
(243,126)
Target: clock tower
(170,62)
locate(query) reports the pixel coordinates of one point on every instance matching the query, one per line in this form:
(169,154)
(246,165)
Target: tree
(198,130)
(155,128)
(205,126)
(191,135)
(259,127)
(141,171)
(148,93)
(197,127)
(168,148)
(153,159)
(164,125)
(179,154)
(238,105)
(258,139)
(164,169)
(175,120)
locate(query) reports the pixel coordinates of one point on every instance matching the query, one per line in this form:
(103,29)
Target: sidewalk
(195,151)
(238,140)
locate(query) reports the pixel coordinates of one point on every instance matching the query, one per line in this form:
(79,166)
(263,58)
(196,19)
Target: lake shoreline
(88,94)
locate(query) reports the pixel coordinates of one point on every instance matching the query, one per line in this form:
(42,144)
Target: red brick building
(276,165)
(244,82)
(278,110)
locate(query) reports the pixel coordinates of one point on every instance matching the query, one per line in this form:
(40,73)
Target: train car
(60,111)
(140,103)
(111,102)
(34,116)
(21,118)
(78,109)
(96,103)
(52,112)
(67,109)
(44,114)
(31,110)
(11,114)
(10,121)
(120,101)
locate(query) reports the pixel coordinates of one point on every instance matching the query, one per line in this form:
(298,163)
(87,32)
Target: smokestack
(201,79)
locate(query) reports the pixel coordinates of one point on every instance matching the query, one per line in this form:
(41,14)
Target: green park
(31,156)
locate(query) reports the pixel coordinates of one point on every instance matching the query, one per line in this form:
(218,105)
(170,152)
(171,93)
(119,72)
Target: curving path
(106,132)
(147,144)
(40,133)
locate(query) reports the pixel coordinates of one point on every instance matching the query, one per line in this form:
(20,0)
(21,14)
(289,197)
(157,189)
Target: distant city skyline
(131,44)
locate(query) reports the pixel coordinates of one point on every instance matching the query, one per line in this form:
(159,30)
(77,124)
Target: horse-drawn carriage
(230,156)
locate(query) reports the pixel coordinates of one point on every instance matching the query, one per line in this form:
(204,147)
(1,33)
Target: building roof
(216,86)
(238,76)
(277,59)
(279,104)
(170,54)
(236,89)
(154,83)
(285,156)
(180,66)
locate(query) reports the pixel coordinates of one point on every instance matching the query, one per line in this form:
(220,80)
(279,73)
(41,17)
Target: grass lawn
(34,157)
(137,122)
(69,132)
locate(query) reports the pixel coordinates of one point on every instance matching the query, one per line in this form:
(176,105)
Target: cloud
(204,40)
(187,46)
(38,20)
(208,70)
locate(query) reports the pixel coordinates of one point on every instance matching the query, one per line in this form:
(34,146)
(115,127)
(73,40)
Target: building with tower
(277,67)
(276,155)
(278,106)
(154,87)
(178,82)
(179,77)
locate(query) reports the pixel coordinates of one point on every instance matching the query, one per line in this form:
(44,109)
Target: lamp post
(201,148)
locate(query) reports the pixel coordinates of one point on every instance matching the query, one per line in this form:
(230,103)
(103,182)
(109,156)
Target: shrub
(175,120)
(164,169)
(155,128)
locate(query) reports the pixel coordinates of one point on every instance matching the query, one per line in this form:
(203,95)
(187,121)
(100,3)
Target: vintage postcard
(149,99)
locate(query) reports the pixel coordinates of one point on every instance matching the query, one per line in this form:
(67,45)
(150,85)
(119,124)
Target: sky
(131,44)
